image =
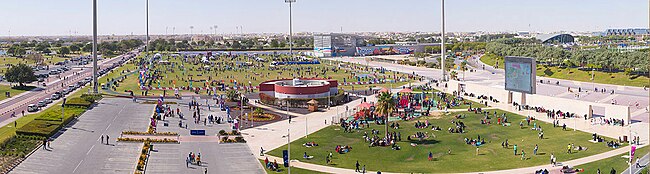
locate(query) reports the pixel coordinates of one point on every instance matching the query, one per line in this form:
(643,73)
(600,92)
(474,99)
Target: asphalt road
(19,103)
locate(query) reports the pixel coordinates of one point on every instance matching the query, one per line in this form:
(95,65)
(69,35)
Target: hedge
(77,101)
(49,121)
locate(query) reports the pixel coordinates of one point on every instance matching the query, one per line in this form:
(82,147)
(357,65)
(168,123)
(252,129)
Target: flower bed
(144,155)
(227,139)
(147,133)
(164,140)
(264,117)
(233,132)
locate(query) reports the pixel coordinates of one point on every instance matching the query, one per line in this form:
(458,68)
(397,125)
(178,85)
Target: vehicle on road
(55,96)
(47,100)
(41,104)
(32,108)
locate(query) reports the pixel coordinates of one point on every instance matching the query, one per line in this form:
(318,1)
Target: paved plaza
(78,148)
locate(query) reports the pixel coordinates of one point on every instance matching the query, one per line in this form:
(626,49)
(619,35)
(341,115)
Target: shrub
(240,139)
(77,101)
(222,132)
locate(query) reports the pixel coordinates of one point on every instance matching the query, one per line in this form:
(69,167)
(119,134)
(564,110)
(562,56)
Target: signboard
(285,158)
(520,74)
(197,132)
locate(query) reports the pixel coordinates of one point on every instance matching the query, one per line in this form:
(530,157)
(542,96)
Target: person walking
(102,138)
(15,124)
(357,167)
(515,149)
(106,139)
(523,155)
(535,150)
(45,144)
(363,169)
(568,149)
(261,151)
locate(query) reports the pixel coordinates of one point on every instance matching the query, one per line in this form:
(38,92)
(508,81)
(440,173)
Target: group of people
(273,166)
(193,158)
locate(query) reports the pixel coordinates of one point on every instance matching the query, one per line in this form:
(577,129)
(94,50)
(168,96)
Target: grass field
(617,162)
(619,78)
(284,170)
(463,157)
(4,61)
(226,69)
(12,91)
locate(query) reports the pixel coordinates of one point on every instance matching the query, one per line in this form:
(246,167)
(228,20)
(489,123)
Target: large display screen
(520,74)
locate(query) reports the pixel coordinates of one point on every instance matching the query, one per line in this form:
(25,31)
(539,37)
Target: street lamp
(290,28)
(95,47)
(147,39)
(442,42)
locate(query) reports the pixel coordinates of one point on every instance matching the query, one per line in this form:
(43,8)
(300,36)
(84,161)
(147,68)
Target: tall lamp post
(442,42)
(147,39)
(290,28)
(95,47)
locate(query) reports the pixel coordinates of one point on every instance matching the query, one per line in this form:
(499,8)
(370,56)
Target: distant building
(626,32)
(555,38)
(335,44)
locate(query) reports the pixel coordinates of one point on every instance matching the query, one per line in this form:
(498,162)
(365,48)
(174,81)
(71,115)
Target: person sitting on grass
(305,156)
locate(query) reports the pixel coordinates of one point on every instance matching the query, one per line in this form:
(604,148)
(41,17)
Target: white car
(41,104)
(32,108)
(47,100)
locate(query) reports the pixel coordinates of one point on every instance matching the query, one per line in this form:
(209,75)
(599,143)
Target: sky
(125,17)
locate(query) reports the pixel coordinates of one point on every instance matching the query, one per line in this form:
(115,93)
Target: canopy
(383,90)
(406,90)
(312,101)
(364,105)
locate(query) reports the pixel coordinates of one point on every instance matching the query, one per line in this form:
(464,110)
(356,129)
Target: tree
(17,50)
(87,48)
(74,48)
(20,74)
(64,50)
(385,106)
(274,44)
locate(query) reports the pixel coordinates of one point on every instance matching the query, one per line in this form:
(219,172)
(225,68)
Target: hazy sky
(62,17)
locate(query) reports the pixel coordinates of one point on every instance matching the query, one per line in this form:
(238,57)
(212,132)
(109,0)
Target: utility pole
(442,43)
(95,47)
(147,39)
(290,28)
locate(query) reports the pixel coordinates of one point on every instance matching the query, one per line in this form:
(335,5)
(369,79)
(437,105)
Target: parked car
(32,108)
(41,104)
(47,100)
(55,96)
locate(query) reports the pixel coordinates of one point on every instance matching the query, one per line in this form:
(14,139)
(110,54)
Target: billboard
(385,50)
(520,74)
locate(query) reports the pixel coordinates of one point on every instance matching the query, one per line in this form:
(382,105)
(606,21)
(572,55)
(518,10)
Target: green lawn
(255,74)
(619,78)
(12,91)
(4,61)
(437,98)
(617,162)
(414,159)
(284,170)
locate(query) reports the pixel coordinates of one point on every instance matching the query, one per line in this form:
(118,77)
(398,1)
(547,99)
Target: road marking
(91,148)
(118,113)
(75,169)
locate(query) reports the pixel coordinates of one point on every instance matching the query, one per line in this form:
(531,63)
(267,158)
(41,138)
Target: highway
(19,103)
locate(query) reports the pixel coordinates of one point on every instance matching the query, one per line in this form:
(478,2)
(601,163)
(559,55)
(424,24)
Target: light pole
(289,149)
(442,42)
(95,47)
(147,39)
(290,28)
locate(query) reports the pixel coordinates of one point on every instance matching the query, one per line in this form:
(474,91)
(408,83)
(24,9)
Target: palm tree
(463,67)
(385,106)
